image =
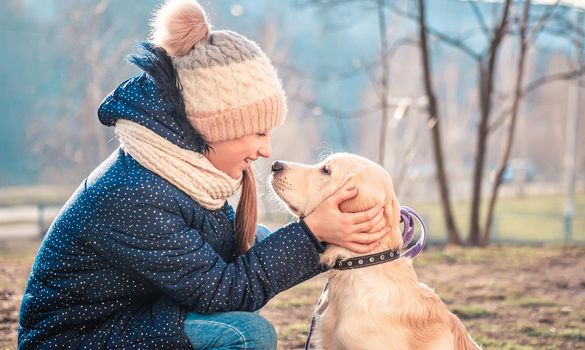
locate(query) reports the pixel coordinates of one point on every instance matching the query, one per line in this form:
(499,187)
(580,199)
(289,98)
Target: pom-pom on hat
(229,87)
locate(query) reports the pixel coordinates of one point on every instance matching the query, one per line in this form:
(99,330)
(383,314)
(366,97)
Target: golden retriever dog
(381,306)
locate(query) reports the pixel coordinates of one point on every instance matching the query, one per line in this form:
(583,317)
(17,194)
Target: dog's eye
(325,170)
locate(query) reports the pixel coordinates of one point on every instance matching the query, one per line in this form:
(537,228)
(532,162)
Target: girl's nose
(265,149)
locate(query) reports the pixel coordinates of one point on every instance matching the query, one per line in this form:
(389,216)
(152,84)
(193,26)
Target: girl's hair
(246,213)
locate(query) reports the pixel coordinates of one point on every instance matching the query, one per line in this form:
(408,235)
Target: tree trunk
(507,148)
(384,82)
(482,133)
(486,87)
(453,233)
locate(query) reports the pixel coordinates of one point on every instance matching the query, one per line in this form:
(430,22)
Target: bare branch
(372,79)
(570,75)
(337,113)
(552,78)
(454,42)
(479,17)
(542,22)
(412,149)
(369,69)
(500,30)
(358,66)
(393,102)
(342,136)
(568,25)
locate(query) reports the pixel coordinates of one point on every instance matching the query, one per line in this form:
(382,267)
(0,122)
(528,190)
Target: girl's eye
(325,171)
(261,134)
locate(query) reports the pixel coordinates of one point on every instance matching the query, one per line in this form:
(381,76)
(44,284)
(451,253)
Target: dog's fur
(377,307)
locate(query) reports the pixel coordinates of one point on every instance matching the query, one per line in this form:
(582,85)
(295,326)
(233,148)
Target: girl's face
(234,156)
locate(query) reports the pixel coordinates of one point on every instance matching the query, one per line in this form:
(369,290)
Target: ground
(508,297)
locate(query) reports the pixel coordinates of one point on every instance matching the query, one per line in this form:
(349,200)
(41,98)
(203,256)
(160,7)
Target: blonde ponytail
(246,213)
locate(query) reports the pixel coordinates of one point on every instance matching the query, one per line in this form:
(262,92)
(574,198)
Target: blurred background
(475,108)
(481,126)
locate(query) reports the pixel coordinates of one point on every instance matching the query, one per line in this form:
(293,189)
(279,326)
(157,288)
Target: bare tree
(507,147)
(453,236)
(487,69)
(526,37)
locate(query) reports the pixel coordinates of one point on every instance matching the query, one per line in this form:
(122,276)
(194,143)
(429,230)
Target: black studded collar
(366,260)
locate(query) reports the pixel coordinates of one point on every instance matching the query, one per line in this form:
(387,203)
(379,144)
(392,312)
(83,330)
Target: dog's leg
(462,339)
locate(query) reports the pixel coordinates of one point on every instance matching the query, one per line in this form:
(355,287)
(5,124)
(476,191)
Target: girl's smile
(234,156)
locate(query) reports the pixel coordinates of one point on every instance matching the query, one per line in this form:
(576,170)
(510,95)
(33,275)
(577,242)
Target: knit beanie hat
(229,87)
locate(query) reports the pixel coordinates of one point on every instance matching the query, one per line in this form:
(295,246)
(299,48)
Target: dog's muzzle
(277,167)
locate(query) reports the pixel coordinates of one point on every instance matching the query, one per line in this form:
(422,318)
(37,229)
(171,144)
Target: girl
(147,253)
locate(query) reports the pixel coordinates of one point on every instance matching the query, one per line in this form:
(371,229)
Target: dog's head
(303,187)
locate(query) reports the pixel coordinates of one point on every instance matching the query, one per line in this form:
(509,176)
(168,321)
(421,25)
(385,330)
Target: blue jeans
(231,330)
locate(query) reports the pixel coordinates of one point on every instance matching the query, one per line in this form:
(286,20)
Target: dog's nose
(277,167)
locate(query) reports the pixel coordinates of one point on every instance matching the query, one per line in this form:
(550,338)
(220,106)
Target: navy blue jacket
(129,253)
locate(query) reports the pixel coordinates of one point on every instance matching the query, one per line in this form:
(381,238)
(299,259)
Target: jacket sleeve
(153,241)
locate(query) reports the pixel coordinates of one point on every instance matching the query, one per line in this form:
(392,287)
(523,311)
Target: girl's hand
(348,230)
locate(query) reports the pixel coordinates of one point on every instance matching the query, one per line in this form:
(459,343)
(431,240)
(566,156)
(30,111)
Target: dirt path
(510,298)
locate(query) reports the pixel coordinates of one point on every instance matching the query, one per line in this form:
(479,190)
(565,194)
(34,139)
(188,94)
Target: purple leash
(407,216)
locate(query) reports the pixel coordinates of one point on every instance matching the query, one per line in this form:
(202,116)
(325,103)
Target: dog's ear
(351,181)
(368,195)
(392,216)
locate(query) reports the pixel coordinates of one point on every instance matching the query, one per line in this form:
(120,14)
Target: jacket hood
(153,100)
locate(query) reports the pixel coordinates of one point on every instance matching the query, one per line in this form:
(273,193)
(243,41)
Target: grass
(528,219)
(532,331)
(512,255)
(467,312)
(529,301)
(573,334)
(490,343)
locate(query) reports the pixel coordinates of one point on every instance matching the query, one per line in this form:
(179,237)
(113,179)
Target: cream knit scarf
(189,171)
